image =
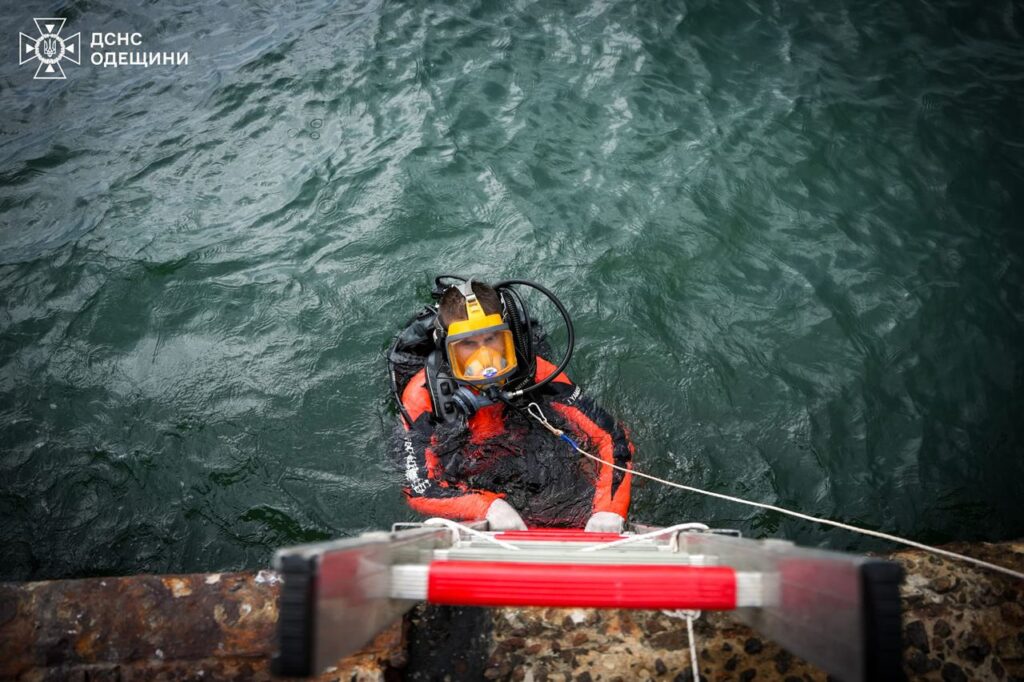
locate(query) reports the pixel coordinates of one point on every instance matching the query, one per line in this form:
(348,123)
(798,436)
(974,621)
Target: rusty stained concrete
(960,623)
(217,626)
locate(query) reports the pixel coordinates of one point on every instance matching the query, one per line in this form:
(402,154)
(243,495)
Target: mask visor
(482,357)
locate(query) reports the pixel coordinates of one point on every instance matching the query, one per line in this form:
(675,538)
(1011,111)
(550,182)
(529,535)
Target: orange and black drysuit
(457,472)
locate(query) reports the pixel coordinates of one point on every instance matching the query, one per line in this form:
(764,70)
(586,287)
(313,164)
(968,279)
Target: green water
(790,235)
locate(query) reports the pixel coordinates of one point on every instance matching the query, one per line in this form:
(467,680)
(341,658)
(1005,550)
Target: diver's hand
(502,516)
(605,522)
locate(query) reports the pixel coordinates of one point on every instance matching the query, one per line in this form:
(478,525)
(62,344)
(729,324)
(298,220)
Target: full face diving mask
(480,348)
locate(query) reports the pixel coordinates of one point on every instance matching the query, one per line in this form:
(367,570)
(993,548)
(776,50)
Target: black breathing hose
(570,342)
(439,288)
(394,382)
(522,333)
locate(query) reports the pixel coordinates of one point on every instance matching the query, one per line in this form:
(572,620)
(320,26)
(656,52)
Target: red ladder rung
(502,583)
(557,535)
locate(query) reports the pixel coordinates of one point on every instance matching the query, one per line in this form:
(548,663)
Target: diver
(470,366)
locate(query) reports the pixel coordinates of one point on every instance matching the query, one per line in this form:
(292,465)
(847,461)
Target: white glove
(605,522)
(502,516)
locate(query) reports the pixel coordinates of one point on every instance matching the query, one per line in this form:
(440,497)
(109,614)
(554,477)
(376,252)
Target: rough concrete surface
(959,623)
(216,626)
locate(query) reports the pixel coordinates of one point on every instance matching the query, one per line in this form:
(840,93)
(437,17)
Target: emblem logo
(49,48)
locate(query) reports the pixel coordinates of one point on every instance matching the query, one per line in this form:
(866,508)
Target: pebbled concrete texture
(962,623)
(573,644)
(959,623)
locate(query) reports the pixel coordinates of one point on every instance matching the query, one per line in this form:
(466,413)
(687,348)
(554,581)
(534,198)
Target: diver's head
(478,343)
(452,307)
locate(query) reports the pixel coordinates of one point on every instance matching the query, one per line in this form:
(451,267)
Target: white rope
(780,510)
(645,536)
(690,616)
(693,646)
(456,527)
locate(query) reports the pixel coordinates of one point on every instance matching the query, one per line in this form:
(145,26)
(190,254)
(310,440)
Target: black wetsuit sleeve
(425,489)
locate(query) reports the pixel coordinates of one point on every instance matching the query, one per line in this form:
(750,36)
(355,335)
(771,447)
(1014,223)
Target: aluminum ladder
(839,611)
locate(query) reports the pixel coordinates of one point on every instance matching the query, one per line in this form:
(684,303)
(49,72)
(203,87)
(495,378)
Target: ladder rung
(564,546)
(529,553)
(557,534)
(478,583)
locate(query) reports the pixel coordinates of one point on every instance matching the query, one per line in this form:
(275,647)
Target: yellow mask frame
(480,349)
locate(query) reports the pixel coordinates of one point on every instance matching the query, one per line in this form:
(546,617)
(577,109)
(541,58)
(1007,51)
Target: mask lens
(483,358)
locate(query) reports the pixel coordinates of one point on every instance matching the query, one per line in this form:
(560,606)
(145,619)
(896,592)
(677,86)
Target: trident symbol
(49,47)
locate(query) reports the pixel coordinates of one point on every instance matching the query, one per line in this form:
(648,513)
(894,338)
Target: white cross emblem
(49,48)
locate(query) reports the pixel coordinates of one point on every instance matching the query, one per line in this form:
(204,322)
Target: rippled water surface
(790,235)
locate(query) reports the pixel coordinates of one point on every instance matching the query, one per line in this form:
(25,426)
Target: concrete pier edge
(959,623)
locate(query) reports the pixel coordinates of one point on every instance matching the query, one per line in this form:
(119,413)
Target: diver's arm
(612,488)
(439,499)
(425,490)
